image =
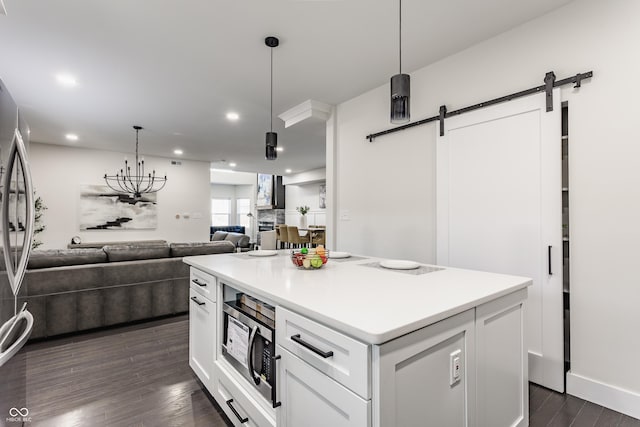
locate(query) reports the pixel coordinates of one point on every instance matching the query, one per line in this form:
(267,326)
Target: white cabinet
(468,370)
(203,283)
(338,356)
(503,396)
(202,333)
(236,402)
(427,377)
(312,399)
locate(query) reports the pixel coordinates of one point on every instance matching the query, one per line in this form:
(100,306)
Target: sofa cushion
(43,258)
(134,252)
(206,248)
(239,240)
(99,245)
(218,235)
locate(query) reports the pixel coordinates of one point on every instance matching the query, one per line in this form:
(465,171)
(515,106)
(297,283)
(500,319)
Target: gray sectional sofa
(71,290)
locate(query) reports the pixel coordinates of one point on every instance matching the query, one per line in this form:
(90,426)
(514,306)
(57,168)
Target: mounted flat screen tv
(265,192)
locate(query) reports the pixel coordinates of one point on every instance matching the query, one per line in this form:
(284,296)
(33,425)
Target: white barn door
(499,209)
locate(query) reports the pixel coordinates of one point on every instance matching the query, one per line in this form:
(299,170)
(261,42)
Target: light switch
(455,367)
(345,215)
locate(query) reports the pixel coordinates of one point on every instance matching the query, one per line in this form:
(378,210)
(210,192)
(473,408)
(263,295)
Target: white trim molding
(616,398)
(305,110)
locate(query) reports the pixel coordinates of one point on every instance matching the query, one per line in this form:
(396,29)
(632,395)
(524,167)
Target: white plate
(399,264)
(333,254)
(262,253)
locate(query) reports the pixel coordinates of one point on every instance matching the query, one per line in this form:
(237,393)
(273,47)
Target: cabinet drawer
(203,283)
(236,403)
(312,399)
(340,357)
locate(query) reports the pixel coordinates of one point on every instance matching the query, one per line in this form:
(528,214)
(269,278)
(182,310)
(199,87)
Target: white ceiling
(177,67)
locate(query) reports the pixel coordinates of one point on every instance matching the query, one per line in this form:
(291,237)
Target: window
(220,211)
(242,209)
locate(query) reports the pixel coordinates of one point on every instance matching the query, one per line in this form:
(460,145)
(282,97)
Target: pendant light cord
(400,36)
(137,130)
(271,111)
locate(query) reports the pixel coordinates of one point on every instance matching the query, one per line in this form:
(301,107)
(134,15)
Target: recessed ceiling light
(233,165)
(66,80)
(233,116)
(71,137)
(288,171)
(177,151)
(279,148)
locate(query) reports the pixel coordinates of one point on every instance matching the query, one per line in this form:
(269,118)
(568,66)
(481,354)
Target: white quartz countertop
(373,305)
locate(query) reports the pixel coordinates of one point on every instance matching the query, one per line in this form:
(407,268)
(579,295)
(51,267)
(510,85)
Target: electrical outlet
(455,367)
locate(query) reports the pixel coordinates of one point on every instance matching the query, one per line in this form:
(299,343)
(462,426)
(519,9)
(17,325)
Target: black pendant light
(271,142)
(400,87)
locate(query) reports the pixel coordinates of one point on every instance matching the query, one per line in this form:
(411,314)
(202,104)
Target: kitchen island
(360,345)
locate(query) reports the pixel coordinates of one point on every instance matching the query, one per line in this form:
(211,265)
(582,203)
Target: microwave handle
(252,341)
(274,370)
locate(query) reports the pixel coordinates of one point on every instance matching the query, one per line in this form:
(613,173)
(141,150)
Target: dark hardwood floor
(138,375)
(548,408)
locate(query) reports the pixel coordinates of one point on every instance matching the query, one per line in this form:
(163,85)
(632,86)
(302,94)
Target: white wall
(304,195)
(306,177)
(59,171)
(386,188)
(225,176)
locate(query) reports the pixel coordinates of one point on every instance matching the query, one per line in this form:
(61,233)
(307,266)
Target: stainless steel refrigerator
(16,235)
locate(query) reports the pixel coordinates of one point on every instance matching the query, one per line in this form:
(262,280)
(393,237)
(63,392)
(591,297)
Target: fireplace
(266,225)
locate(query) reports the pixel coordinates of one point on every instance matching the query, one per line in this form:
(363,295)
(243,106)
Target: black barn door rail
(549,83)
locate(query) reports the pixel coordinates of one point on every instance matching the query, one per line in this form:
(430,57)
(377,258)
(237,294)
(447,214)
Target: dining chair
(284,236)
(277,235)
(294,236)
(318,237)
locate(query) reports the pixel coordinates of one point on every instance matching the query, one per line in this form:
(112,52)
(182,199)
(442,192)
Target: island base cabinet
(312,399)
(503,388)
(202,335)
(427,378)
(241,408)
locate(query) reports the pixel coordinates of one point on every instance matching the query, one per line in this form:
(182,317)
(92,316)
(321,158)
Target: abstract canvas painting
(103,209)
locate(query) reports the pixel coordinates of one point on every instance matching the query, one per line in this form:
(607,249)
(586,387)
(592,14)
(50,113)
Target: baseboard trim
(609,396)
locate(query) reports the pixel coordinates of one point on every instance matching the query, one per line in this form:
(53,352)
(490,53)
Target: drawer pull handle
(235,412)
(316,350)
(199,283)
(194,299)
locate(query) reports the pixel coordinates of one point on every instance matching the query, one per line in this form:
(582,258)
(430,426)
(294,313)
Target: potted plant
(303,211)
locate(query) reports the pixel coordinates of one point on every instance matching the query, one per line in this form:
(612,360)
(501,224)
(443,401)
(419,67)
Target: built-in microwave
(249,340)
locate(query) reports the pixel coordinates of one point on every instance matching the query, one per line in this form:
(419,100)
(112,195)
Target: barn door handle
(549,259)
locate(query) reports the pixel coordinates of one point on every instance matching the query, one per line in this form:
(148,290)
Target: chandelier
(135,182)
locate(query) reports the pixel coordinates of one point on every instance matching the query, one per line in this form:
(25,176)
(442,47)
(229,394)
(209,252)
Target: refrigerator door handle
(14,347)
(17,155)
